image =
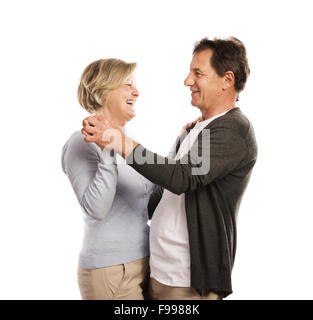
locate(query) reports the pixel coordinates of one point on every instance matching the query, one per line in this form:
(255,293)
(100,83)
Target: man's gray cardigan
(213,192)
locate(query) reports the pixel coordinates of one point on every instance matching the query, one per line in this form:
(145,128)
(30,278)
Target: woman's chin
(129,118)
(131,115)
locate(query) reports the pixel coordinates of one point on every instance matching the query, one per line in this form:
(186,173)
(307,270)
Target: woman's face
(120,101)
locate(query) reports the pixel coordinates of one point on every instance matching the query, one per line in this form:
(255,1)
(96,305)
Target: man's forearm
(124,145)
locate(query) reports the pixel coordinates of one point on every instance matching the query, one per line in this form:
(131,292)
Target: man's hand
(103,132)
(107,134)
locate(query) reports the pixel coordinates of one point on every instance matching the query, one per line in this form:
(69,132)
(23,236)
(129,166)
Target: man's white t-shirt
(169,241)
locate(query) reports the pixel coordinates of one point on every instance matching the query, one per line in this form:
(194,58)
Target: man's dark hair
(228,55)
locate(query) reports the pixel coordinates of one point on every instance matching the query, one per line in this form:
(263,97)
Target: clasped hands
(107,134)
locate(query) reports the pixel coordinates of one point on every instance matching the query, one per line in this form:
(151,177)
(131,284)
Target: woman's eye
(129,84)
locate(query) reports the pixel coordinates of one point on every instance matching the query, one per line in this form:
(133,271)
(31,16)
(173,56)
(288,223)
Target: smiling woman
(106,83)
(113,261)
(120,101)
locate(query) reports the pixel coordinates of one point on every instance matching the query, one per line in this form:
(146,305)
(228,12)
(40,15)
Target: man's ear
(229,80)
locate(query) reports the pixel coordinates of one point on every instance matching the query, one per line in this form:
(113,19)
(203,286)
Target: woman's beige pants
(121,282)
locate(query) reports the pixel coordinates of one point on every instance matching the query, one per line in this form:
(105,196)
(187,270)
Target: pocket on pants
(111,278)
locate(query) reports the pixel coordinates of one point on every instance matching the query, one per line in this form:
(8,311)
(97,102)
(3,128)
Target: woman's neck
(107,115)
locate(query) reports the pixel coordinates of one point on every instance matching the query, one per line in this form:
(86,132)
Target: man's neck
(213,110)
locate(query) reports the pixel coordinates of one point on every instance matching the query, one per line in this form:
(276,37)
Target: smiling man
(193,229)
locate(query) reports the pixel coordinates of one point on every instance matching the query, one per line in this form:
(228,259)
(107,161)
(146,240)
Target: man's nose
(189,81)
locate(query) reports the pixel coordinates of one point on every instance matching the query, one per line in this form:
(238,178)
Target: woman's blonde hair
(99,78)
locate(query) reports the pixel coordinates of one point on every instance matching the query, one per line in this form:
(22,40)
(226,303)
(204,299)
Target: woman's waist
(115,237)
(91,258)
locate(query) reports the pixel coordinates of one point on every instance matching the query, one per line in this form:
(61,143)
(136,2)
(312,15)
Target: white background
(45,45)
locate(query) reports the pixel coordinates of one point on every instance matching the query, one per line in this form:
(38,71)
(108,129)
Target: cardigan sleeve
(157,193)
(216,152)
(154,200)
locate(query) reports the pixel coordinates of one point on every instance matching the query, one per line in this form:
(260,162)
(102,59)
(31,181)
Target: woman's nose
(135,92)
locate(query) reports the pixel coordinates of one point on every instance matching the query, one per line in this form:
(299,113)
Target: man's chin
(193,103)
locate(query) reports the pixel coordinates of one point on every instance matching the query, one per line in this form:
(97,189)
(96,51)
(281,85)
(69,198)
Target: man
(193,230)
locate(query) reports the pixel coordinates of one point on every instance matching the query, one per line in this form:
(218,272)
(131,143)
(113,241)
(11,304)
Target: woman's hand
(189,124)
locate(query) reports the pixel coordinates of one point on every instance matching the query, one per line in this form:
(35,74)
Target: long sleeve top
(214,184)
(113,198)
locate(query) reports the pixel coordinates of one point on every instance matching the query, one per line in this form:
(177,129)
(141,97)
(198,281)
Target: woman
(113,261)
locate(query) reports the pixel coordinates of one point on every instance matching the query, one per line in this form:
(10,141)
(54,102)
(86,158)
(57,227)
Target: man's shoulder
(234,120)
(239,122)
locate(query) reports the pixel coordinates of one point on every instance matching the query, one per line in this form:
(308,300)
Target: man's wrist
(124,145)
(128,146)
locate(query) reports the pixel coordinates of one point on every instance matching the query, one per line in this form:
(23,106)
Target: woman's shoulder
(76,142)
(77,149)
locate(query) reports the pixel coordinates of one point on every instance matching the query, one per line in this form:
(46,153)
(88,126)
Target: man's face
(204,83)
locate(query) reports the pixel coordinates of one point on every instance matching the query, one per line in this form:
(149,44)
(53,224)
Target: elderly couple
(189,251)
